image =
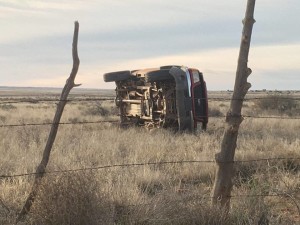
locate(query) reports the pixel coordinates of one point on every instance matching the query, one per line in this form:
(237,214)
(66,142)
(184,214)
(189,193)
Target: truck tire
(168,67)
(158,75)
(117,76)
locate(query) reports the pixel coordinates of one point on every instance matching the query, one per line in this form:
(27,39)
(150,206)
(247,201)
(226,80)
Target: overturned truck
(167,97)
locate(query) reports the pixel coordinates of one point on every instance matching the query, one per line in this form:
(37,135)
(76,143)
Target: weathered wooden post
(40,171)
(223,181)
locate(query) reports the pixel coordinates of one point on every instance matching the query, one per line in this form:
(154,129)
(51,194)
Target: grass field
(149,194)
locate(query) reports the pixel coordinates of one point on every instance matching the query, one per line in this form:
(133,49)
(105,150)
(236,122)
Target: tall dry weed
(74,199)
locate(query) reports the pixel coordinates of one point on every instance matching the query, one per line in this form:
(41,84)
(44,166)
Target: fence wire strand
(127,165)
(35,101)
(116,121)
(62,123)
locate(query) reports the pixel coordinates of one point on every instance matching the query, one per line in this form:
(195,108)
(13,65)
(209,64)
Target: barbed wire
(185,199)
(128,165)
(270,117)
(116,121)
(62,123)
(35,101)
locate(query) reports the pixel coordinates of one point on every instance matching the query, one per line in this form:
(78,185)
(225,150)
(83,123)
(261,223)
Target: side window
(201,77)
(196,76)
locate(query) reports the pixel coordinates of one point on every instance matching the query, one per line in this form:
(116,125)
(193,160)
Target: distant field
(150,194)
(40,91)
(45,91)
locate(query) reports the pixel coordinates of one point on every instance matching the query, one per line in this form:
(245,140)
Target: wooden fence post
(223,180)
(40,171)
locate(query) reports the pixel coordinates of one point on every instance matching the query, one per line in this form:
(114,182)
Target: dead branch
(40,171)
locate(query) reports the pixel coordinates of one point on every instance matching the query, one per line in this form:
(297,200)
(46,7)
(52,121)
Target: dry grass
(156,194)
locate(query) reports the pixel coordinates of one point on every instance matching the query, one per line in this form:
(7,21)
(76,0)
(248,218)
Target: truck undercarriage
(159,98)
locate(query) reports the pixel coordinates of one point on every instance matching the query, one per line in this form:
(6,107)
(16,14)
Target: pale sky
(36,38)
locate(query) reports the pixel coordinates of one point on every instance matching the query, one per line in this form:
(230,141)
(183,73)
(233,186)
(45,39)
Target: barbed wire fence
(40,100)
(126,165)
(5,101)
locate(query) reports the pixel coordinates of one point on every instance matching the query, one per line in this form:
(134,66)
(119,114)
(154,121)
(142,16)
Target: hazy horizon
(87,88)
